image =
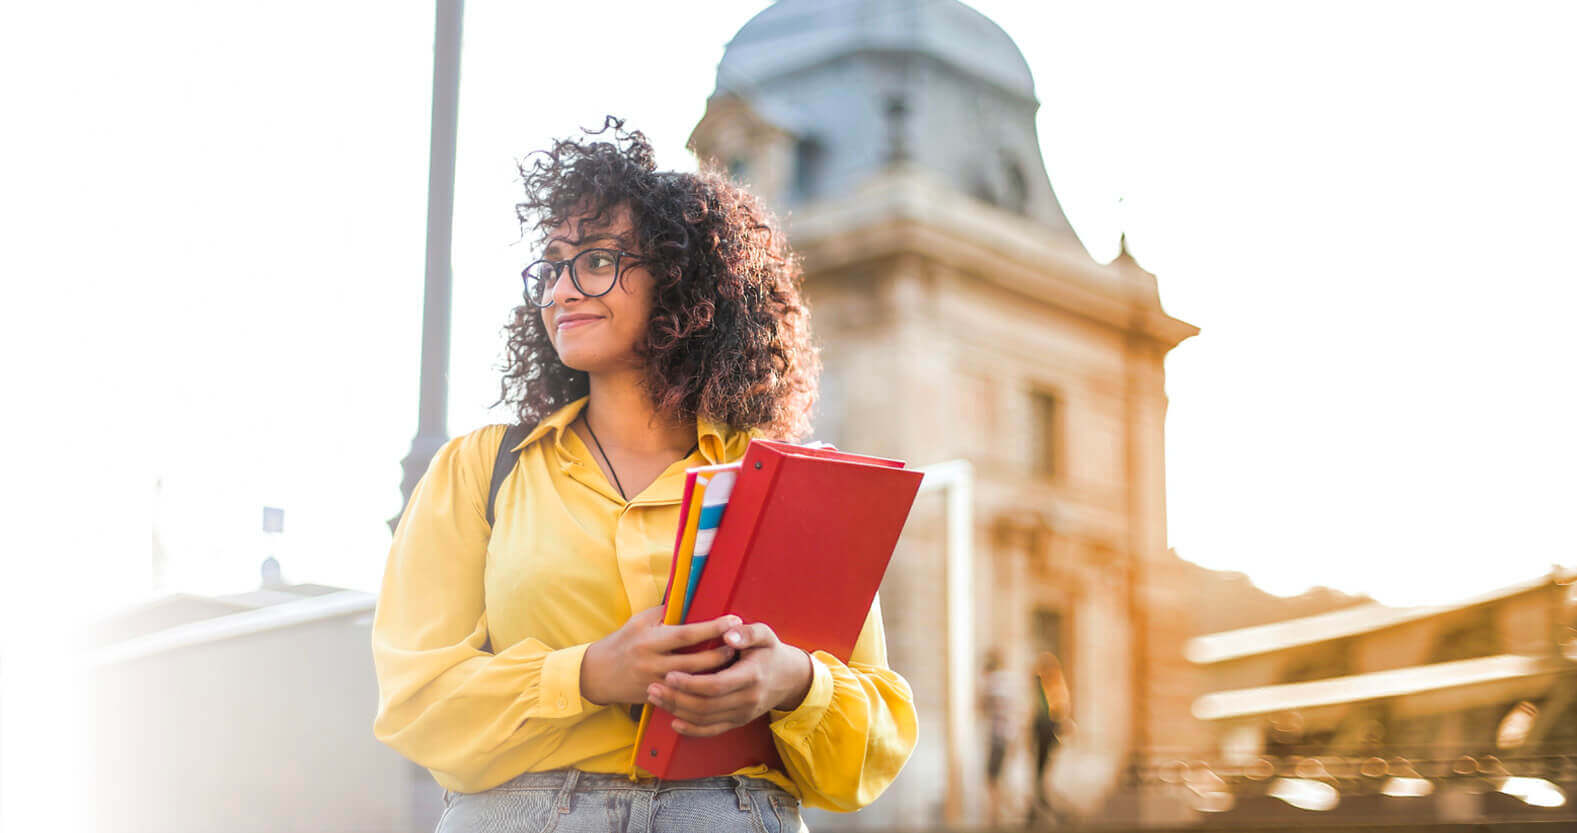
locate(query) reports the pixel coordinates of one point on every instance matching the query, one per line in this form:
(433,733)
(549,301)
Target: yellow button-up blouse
(479,634)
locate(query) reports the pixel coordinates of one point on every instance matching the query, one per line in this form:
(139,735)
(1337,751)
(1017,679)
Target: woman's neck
(622,416)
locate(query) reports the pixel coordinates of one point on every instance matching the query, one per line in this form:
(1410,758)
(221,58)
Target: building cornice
(1376,685)
(907,211)
(1344,623)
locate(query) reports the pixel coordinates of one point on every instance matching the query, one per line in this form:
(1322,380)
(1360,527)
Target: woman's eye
(599,261)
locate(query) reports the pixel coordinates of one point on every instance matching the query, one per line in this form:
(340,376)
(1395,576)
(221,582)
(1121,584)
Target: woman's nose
(564,288)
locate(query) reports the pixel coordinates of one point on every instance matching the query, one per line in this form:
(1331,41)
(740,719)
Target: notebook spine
(715,595)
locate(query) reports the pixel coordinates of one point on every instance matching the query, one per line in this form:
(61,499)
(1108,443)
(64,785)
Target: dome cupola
(815,96)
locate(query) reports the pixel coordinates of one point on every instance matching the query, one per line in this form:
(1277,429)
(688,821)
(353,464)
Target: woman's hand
(619,667)
(768,675)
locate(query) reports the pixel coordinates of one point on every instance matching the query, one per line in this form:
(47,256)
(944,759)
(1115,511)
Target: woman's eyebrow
(559,242)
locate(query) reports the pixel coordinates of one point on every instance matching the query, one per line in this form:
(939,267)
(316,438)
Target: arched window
(738,168)
(807,166)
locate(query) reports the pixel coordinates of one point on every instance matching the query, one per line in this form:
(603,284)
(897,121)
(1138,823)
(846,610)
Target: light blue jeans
(572,801)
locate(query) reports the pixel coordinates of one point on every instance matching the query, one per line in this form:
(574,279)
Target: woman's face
(598,335)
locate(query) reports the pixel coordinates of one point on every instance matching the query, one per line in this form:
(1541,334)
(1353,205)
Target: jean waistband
(577,781)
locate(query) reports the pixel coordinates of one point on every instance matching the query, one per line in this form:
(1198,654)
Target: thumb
(752,635)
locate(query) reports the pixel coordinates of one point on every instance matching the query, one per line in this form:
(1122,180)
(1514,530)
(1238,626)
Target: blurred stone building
(961,319)
(245,712)
(1452,713)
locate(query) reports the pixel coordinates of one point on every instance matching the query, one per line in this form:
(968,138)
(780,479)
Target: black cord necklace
(616,483)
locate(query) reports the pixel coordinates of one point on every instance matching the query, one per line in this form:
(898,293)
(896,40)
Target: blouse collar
(718,443)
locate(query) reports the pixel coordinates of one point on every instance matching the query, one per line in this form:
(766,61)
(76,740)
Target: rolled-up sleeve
(445,701)
(854,730)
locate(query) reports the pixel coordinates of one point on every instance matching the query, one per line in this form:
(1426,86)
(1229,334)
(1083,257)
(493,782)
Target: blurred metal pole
(434,404)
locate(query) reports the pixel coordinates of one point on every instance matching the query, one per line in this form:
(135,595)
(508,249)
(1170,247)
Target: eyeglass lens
(593,272)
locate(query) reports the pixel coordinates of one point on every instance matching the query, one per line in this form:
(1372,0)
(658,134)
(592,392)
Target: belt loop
(568,789)
(739,792)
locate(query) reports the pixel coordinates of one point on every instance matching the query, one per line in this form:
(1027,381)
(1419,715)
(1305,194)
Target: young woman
(662,329)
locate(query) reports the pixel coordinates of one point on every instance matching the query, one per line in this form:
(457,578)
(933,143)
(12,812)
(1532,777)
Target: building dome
(791,35)
(816,97)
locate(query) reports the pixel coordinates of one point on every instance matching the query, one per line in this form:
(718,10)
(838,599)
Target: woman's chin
(575,363)
(595,355)
(584,361)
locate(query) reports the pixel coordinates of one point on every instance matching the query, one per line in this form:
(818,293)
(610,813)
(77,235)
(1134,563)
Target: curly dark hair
(729,337)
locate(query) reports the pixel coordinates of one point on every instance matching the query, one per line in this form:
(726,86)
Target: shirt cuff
(559,692)
(795,726)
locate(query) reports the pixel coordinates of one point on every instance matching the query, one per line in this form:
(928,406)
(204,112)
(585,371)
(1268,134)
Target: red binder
(802,547)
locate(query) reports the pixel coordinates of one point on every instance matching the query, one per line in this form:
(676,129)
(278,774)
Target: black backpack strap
(504,464)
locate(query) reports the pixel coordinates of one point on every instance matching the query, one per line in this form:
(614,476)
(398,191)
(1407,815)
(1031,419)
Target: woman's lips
(571,323)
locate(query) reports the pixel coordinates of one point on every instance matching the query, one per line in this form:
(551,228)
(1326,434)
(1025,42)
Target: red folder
(803,547)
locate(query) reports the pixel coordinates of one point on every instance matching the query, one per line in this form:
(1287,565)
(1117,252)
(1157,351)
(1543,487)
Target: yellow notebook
(674,612)
(678,581)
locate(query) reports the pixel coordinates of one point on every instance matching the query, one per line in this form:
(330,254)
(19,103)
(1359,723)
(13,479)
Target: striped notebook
(714,499)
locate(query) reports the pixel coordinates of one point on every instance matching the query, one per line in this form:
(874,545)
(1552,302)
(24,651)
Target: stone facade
(955,329)
(961,319)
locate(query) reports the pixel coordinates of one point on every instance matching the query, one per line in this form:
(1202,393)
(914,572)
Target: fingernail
(734,637)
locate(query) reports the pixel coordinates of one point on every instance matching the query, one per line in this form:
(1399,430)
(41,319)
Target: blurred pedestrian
(1051,723)
(997,701)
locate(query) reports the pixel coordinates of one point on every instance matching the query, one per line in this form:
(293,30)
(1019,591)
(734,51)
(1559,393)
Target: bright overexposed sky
(217,219)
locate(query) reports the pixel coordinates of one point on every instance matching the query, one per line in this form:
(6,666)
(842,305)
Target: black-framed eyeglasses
(593,271)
